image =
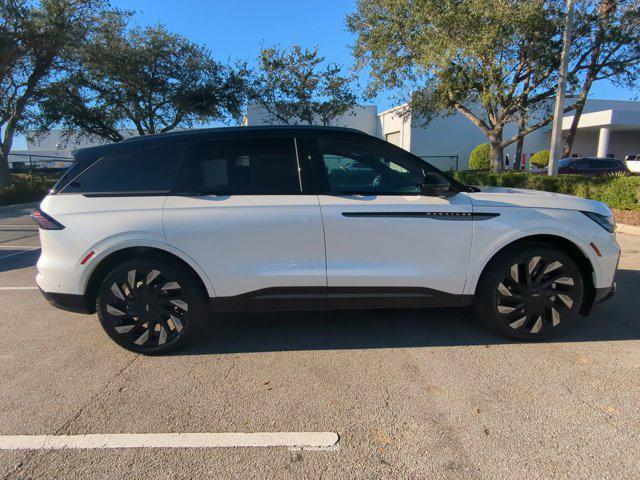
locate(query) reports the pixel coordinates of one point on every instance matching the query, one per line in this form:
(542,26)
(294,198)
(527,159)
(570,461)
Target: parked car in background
(633,162)
(592,166)
(155,231)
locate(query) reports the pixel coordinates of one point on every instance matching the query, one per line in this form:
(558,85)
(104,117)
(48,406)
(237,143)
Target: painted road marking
(19,247)
(310,440)
(18,288)
(2,257)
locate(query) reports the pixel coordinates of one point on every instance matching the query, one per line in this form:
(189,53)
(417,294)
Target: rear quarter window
(148,171)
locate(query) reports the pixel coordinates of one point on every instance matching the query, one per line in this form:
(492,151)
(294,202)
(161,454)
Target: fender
(107,247)
(474,275)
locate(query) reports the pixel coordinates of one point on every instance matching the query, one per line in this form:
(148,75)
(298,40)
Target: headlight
(605,221)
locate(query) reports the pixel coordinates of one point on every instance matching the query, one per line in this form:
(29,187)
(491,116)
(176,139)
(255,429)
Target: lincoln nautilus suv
(158,234)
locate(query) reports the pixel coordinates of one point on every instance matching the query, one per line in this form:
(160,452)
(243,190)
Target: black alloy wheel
(535,293)
(149,306)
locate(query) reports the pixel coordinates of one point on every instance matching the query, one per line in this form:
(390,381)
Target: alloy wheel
(536,294)
(146,307)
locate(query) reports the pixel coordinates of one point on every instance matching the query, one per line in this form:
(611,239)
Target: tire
(531,293)
(150,306)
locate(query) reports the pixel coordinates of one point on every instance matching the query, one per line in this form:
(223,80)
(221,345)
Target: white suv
(154,232)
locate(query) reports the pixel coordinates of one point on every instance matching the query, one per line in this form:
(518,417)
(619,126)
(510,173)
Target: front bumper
(604,294)
(67,301)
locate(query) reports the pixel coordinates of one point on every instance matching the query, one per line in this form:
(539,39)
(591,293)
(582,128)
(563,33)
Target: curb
(627,229)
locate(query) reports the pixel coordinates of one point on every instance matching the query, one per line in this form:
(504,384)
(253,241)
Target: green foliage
(297,86)
(480,158)
(618,191)
(25,190)
(145,79)
(489,60)
(37,41)
(541,158)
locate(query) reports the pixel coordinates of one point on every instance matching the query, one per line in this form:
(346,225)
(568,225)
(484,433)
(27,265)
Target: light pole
(558,112)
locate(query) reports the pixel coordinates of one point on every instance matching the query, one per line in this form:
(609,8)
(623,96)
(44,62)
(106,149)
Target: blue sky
(234,30)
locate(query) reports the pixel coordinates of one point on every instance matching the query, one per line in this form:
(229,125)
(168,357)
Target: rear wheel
(531,293)
(150,306)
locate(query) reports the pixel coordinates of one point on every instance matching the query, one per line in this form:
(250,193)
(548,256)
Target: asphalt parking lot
(411,394)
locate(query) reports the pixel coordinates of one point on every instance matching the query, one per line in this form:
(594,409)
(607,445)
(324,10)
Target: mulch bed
(628,217)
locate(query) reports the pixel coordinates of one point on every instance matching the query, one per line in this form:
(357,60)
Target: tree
(35,39)
(489,60)
(606,46)
(148,80)
(298,86)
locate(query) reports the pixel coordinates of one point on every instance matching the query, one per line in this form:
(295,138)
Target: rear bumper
(67,301)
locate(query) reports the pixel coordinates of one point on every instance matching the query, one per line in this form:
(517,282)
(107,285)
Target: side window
(610,164)
(581,165)
(354,167)
(240,167)
(146,171)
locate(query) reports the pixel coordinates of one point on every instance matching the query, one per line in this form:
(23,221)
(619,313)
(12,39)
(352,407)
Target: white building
(607,127)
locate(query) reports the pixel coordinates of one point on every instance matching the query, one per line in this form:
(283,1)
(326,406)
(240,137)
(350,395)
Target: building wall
(456,135)
(445,138)
(364,117)
(395,127)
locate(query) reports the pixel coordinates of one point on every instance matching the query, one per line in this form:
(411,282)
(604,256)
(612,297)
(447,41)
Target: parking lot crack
(30,455)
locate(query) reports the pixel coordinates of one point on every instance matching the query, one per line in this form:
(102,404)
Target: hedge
(617,191)
(25,189)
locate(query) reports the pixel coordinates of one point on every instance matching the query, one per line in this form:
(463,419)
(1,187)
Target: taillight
(44,221)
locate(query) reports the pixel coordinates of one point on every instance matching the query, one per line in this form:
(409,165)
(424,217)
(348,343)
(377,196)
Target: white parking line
(18,288)
(310,440)
(18,253)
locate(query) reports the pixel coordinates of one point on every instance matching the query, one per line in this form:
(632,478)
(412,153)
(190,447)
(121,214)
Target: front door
(387,243)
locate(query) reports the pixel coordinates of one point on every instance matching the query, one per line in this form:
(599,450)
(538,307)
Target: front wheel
(150,306)
(531,293)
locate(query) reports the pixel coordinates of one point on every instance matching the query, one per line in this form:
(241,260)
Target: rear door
(386,242)
(241,209)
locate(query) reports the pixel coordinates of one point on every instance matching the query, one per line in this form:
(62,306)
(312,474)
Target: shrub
(618,191)
(480,158)
(25,189)
(540,159)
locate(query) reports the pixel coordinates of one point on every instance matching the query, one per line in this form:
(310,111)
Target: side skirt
(338,298)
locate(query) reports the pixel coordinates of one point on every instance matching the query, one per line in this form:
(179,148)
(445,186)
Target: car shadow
(15,259)
(616,319)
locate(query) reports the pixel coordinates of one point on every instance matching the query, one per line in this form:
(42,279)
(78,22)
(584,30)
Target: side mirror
(434,185)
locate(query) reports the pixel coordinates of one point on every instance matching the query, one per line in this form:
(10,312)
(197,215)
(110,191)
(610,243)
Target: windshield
(565,162)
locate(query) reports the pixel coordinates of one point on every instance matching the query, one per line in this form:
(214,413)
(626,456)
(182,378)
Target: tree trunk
(580,103)
(5,175)
(607,7)
(522,124)
(497,155)
(497,150)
